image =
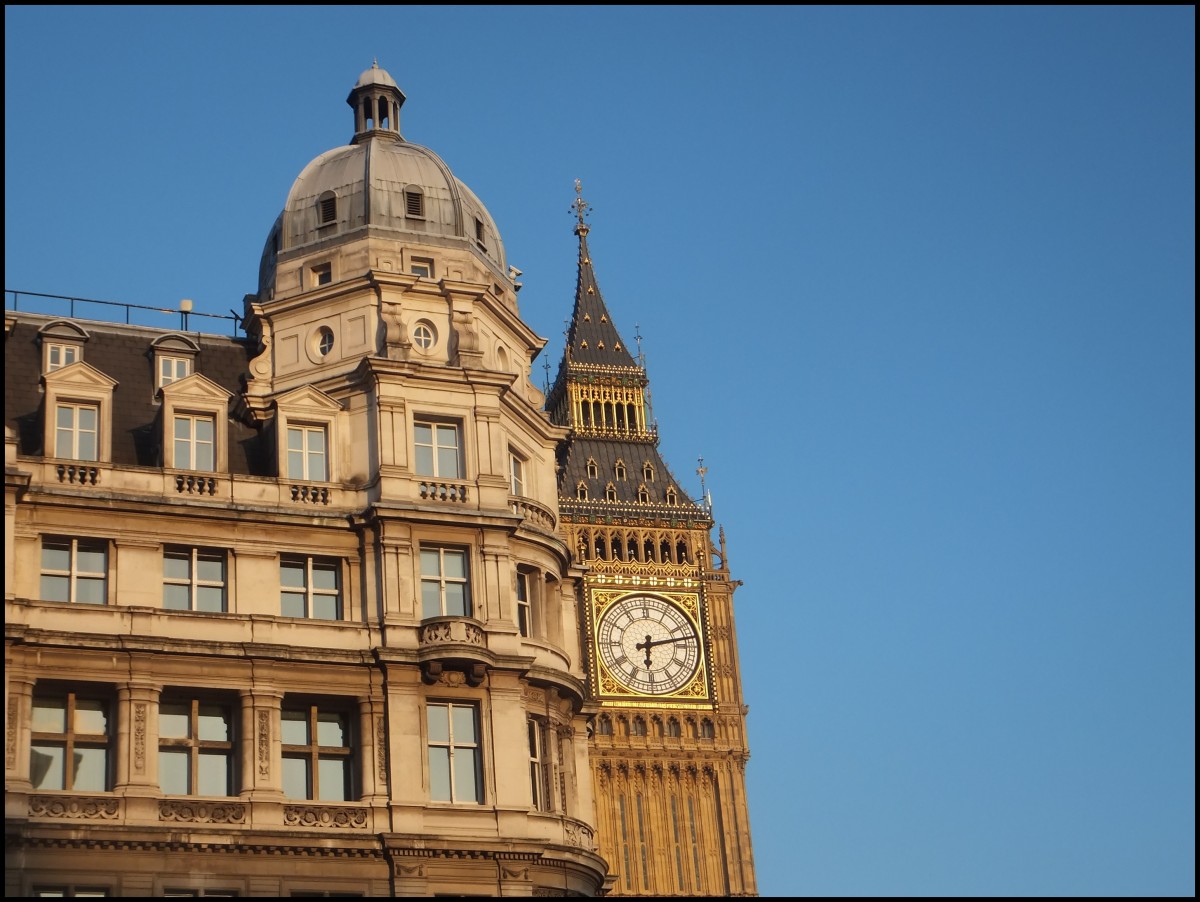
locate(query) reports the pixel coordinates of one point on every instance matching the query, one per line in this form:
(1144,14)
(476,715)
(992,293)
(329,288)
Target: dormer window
(581,492)
(620,470)
(672,498)
(610,492)
(648,471)
(592,470)
(643,494)
(414,203)
(58,356)
(327,208)
(62,345)
(174,359)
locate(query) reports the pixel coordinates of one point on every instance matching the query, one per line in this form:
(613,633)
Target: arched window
(610,492)
(648,471)
(620,470)
(639,726)
(672,498)
(706,729)
(643,494)
(673,729)
(581,492)
(592,470)
(604,725)
(327,205)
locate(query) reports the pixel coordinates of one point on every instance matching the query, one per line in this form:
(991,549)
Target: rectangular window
(437,452)
(70,742)
(516,474)
(71,892)
(454,755)
(172,369)
(58,356)
(195,747)
(445,585)
(74,570)
(421,266)
(310,587)
(539,764)
(307,457)
(194,579)
(318,760)
(194,442)
(524,606)
(76,430)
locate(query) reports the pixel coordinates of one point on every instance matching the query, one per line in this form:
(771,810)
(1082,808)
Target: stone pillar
(137,739)
(262,775)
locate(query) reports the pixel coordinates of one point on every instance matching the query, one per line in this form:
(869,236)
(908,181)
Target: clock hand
(651,642)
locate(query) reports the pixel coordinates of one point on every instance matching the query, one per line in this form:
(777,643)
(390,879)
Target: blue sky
(917,283)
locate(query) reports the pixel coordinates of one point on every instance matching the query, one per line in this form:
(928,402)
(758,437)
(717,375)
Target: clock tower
(668,733)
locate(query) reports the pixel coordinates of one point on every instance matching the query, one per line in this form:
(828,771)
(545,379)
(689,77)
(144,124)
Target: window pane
(174,720)
(210,567)
(325,607)
(424,460)
(448,463)
(439,723)
(456,600)
(316,467)
(49,716)
(292,604)
(295,778)
(91,717)
(430,563)
(334,774)
(463,723)
(183,428)
(295,439)
(204,429)
(316,441)
(90,591)
(295,465)
(56,556)
(213,723)
(331,730)
(46,767)
(439,774)
(210,598)
(455,563)
(87,419)
(183,454)
(173,771)
(90,558)
(293,727)
(176,598)
(176,565)
(214,774)
(204,457)
(91,769)
(431,600)
(291,574)
(55,588)
(325,576)
(466,785)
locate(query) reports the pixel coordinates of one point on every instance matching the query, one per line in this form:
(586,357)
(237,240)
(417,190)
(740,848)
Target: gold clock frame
(697,692)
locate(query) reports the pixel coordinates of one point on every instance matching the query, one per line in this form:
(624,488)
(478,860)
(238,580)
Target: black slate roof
(124,354)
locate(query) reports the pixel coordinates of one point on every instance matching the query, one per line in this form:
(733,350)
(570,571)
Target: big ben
(668,733)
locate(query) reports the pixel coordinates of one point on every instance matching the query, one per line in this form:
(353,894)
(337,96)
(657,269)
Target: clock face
(648,644)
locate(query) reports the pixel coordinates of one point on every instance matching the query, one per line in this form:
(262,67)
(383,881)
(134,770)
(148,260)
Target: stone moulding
(202,812)
(321,816)
(74,807)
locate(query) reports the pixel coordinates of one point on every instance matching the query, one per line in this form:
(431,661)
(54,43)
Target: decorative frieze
(75,807)
(323,816)
(202,812)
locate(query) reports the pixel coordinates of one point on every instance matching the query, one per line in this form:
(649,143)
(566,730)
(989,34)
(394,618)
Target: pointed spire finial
(701,471)
(375,63)
(580,207)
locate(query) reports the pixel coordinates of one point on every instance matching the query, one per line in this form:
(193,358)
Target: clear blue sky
(919,285)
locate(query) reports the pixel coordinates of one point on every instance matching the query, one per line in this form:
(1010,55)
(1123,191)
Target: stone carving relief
(202,812)
(320,816)
(73,807)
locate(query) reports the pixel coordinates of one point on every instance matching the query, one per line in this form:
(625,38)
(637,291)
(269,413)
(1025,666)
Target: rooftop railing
(112,311)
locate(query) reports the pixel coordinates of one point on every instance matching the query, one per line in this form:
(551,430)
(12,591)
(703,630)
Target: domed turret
(379,187)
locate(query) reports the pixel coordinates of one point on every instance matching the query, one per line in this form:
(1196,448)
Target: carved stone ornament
(73,807)
(139,737)
(264,744)
(202,812)
(321,816)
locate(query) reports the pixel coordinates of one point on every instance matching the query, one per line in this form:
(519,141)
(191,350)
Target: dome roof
(382,184)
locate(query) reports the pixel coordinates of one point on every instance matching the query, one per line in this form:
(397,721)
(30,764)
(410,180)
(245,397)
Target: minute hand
(651,642)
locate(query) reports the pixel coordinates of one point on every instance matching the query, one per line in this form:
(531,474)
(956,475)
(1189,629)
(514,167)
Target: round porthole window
(424,336)
(324,341)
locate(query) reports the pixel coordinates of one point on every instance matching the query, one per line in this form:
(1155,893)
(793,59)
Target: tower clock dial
(648,644)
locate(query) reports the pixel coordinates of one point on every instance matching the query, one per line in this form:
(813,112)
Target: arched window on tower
(619,470)
(648,471)
(581,492)
(327,208)
(639,726)
(673,729)
(707,731)
(604,725)
(643,494)
(672,497)
(610,492)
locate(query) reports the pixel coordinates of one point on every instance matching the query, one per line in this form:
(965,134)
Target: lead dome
(379,186)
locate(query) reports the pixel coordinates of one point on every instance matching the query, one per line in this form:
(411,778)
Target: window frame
(440,579)
(193,583)
(524,593)
(313,752)
(73,571)
(540,763)
(198,747)
(433,467)
(307,407)
(75,431)
(455,748)
(71,738)
(62,336)
(516,473)
(195,397)
(309,590)
(304,431)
